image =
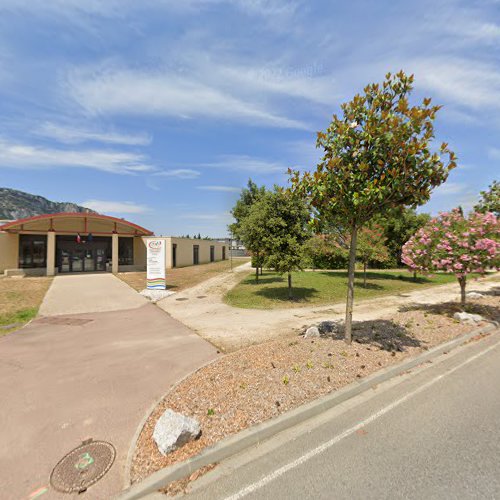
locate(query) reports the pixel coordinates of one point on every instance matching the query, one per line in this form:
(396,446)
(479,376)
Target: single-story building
(87,242)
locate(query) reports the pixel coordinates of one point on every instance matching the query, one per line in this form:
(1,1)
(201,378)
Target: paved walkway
(202,308)
(64,379)
(83,293)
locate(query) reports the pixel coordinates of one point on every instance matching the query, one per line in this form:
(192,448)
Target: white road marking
(320,449)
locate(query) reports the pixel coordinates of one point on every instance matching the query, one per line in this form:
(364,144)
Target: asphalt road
(434,433)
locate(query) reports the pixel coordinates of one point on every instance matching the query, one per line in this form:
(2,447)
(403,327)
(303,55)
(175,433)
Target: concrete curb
(254,435)
(133,443)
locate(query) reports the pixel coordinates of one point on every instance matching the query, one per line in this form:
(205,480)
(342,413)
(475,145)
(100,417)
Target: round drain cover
(83,467)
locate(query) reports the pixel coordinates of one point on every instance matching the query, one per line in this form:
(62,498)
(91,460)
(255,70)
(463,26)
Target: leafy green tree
(252,231)
(286,232)
(377,156)
(325,251)
(275,230)
(490,200)
(371,247)
(248,197)
(399,225)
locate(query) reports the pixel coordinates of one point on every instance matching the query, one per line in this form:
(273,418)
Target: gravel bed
(260,382)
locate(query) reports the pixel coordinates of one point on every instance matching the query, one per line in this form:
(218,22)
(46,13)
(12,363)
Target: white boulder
(467,317)
(174,430)
(156,295)
(312,332)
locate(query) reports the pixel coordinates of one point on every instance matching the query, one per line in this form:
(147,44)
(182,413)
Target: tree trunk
(414,275)
(462,281)
(261,271)
(257,269)
(364,274)
(350,285)
(289,286)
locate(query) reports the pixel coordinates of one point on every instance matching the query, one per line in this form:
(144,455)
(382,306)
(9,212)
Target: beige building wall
(184,250)
(9,251)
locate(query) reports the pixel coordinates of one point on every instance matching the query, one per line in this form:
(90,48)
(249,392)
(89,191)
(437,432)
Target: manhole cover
(82,467)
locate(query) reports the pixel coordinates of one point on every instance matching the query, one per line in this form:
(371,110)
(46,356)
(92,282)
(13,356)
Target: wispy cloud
(464,82)
(450,188)
(73,135)
(247,163)
(111,90)
(494,153)
(117,8)
(24,156)
(226,189)
(179,173)
(119,207)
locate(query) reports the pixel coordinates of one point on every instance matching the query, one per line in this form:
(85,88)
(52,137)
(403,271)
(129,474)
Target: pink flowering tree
(455,244)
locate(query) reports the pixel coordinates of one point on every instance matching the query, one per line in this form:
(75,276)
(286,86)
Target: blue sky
(159,110)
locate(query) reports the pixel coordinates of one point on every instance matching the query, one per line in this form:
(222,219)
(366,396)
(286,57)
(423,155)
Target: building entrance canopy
(73,242)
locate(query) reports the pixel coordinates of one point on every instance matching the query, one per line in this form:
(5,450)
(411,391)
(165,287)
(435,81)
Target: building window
(196,254)
(174,255)
(223,253)
(212,253)
(126,251)
(32,251)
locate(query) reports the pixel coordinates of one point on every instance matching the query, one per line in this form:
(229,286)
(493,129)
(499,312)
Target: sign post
(155,275)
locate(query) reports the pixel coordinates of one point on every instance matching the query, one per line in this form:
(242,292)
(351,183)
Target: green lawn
(21,316)
(324,287)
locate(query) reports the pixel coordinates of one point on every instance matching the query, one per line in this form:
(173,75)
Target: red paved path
(63,383)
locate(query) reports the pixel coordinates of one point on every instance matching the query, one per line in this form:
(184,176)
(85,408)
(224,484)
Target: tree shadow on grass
(368,286)
(488,312)
(264,280)
(371,276)
(381,333)
(300,294)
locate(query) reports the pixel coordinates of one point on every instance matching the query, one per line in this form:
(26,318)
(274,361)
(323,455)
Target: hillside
(18,205)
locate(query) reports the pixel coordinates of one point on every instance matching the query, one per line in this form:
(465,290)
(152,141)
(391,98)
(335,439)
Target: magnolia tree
(455,244)
(378,154)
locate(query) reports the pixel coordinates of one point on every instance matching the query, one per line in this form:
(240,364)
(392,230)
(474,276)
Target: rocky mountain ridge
(16,204)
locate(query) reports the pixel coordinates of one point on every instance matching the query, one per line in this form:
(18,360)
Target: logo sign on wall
(155,275)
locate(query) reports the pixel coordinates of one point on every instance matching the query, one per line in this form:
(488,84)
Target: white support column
(114,253)
(51,253)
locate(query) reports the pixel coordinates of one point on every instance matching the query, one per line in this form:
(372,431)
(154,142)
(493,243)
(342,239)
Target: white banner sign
(155,275)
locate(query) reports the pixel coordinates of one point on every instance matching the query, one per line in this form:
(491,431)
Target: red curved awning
(20,224)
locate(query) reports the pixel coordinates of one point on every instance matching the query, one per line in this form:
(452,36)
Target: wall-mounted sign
(155,275)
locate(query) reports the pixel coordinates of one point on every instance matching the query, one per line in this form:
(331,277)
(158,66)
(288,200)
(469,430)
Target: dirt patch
(183,277)
(260,382)
(231,328)
(20,298)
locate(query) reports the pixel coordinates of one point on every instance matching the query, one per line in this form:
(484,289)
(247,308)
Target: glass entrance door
(88,256)
(100,261)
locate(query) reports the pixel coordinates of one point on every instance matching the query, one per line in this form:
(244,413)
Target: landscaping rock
(466,317)
(475,295)
(312,332)
(156,295)
(174,430)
